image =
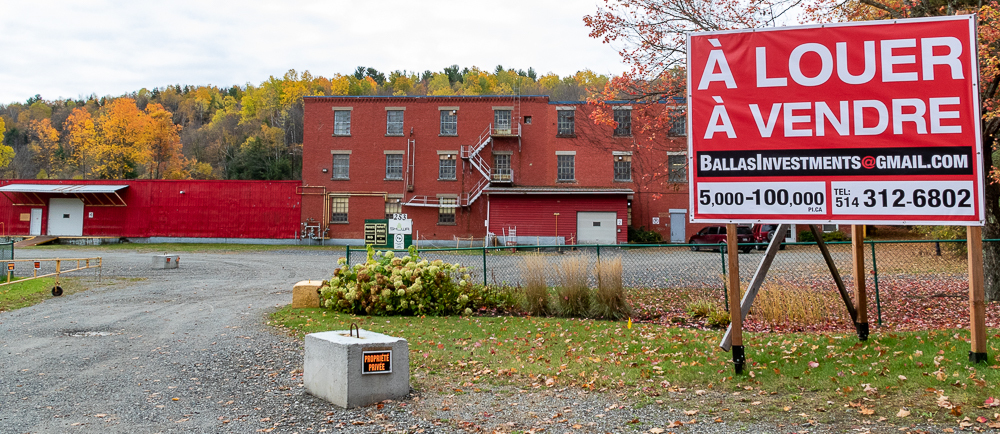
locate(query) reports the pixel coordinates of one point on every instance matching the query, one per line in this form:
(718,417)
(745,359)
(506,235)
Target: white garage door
(596,227)
(66,217)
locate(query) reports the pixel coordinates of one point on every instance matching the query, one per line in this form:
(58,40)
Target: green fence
(6,251)
(889,265)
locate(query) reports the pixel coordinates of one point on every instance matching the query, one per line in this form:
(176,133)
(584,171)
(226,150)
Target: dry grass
(573,294)
(789,304)
(536,291)
(609,299)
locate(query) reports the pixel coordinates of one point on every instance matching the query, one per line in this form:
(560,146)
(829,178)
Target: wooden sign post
(735,315)
(860,292)
(977,306)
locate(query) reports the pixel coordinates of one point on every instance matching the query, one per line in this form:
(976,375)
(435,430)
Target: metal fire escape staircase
(477,161)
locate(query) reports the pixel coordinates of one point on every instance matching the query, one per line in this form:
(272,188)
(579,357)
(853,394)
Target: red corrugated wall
(533,214)
(157,208)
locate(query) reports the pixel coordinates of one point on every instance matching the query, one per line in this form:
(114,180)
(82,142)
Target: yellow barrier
(56,290)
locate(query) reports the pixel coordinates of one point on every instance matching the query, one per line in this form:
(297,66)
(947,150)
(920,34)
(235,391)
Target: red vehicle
(714,238)
(762,234)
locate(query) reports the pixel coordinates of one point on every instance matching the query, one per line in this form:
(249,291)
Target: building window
(565,123)
(623,122)
(446,166)
(446,212)
(677,168)
(449,122)
(678,123)
(501,121)
(565,167)
(501,168)
(623,168)
(338,212)
(527,120)
(394,166)
(341,166)
(393,205)
(341,122)
(394,122)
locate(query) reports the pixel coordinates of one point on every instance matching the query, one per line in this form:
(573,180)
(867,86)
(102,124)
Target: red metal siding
(533,215)
(157,208)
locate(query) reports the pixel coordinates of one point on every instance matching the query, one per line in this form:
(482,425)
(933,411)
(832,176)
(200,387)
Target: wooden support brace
(833,272)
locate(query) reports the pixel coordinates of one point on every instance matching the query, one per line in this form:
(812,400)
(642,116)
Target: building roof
(61,188)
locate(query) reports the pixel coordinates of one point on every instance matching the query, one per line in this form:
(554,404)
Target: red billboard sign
(865,122)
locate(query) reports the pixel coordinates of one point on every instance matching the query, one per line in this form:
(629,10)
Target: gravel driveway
(188,350)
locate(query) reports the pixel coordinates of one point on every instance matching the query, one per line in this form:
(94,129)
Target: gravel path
(188,350)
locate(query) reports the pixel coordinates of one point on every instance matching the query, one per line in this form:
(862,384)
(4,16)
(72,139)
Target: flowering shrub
(389,285)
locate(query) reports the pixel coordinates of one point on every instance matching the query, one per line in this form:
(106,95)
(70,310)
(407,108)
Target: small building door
(35,225)
(66,217)
(596,227)
(678,222)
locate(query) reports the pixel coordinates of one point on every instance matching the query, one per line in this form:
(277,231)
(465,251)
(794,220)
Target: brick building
(469,166)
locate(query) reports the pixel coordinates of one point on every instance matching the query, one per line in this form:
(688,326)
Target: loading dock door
(66,217)
(596,227)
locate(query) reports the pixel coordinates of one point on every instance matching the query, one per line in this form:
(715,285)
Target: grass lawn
(905,377)
(35,291)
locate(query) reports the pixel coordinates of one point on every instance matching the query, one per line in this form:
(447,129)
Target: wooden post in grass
(860,292)
(977,308)
(736,318)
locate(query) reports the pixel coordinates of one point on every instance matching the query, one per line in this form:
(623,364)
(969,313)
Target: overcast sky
(68,49)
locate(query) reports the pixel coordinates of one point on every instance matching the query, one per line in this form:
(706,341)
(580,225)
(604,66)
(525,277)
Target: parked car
(763,233)
(714,238)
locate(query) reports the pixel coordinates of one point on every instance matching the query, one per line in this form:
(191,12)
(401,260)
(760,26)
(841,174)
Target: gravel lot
(188,350)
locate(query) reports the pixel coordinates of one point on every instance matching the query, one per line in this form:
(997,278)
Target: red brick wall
(533,160)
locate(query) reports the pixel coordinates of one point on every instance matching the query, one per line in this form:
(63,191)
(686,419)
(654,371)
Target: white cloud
(66,49)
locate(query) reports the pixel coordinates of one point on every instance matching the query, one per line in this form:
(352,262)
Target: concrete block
(162,262)
(305,293)
(334,364)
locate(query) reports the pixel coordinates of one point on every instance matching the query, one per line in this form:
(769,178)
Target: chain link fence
(889,266)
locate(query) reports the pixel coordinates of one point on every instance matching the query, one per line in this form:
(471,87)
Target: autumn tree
(163,141)
(79,136)
(44,146)
(120,149)
(6,152)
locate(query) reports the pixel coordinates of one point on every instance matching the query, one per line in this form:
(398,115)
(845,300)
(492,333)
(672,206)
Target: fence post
(598,253)
(484,265)
(348,255)
(878,301)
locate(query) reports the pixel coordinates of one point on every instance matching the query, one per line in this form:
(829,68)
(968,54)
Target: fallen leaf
(867,411)
(656,430)
(903,413)
(902,378)
(814,365)
(691,412)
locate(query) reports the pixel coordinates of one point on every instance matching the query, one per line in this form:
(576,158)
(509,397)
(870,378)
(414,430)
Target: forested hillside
(209,132)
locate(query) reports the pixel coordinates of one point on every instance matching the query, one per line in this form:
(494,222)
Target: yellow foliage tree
(43,142)
(6,152)
(79,137)
(164,142)
(121,149)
